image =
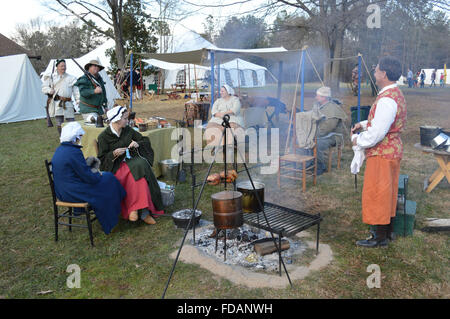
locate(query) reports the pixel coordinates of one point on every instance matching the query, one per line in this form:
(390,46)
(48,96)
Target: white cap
(324,91)
(71,132)
(115,114)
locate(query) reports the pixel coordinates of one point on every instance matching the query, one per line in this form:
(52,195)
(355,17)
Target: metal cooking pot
(439,140)
(227,209)
(182,217)
(169,168)
(427,133)
(249,200)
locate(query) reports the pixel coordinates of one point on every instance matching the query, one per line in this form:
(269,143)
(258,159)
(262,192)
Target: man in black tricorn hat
(59,86)
(92,92)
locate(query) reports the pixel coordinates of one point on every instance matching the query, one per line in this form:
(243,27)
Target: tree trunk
(116,14)
(335,70)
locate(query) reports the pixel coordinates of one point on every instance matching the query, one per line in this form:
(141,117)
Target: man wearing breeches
(59,86)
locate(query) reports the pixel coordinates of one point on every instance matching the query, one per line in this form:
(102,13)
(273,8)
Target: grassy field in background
(134,262)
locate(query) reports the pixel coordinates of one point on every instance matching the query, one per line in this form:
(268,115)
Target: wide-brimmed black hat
(93,62)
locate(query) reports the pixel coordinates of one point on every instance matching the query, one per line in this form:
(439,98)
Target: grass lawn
(134,262)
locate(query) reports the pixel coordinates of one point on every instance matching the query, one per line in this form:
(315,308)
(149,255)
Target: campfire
(249,247)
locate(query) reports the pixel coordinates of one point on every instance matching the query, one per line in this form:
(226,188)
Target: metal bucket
(227,209)
(169,168)
(249,201)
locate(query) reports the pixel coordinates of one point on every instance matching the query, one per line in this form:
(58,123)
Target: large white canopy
(21,98)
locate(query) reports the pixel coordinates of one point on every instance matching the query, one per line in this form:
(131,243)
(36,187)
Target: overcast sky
(15,12)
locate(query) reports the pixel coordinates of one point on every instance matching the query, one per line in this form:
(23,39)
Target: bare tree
(108,13)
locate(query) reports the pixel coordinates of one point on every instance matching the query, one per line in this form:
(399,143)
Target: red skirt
(138,193)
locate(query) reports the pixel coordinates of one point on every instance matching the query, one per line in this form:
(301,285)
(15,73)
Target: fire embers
(241,250)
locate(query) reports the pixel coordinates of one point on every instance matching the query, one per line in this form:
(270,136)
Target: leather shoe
(149,220)
(133,216)
(371,243)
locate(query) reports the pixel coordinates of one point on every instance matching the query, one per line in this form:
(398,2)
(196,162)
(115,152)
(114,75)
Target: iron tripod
(226,125)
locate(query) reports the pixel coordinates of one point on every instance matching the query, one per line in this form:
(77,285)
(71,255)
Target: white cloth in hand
(358,158)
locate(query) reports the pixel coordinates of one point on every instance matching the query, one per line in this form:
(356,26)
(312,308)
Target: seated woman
(129,156)
(75,182)
(226,104)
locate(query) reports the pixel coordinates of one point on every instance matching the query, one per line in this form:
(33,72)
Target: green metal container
(404,223)
(364,113)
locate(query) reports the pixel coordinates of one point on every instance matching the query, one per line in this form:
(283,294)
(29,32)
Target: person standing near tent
(433,78)
(383,149)
(409,77)
(60,87)
(92,92)
(422,79)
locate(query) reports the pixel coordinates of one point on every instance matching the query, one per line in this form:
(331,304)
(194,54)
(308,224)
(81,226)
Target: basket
(427,133)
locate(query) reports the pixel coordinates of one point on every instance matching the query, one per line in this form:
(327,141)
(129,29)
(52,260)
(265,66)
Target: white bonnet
(115,114)
(229,89)
(71,132)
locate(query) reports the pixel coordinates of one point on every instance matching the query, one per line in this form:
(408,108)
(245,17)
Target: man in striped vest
(380,137)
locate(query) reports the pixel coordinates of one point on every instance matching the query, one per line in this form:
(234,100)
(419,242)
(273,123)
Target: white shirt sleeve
(382,121)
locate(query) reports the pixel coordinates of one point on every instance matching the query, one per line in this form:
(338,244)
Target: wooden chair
(339,146)
(86,214)
(299,160)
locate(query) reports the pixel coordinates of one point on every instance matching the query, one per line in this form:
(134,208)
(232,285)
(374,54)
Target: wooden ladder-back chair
(299,160)
(87,212)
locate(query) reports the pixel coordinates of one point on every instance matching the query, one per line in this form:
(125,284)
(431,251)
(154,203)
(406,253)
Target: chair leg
(56,222)
(315,171)
(339,158)
(304,176)
(88,219)
(279,172)
(70,218)
(330,157)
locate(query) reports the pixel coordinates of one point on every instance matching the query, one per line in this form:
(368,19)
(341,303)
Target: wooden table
(442,157)
(160,139)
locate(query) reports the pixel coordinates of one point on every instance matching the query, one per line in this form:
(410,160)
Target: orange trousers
(380,190)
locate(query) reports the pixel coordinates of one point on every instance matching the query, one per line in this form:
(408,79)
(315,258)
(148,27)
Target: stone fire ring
(242,276)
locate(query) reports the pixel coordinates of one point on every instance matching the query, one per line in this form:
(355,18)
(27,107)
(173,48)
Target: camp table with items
(442,157)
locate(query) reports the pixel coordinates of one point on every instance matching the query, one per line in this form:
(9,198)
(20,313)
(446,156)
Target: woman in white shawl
(227,104)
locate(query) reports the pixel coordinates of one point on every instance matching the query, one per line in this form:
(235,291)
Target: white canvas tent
(21,97)
(73,69)
(242,73)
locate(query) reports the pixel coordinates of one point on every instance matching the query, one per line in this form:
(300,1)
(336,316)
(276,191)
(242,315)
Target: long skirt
(138,193)
(380,190)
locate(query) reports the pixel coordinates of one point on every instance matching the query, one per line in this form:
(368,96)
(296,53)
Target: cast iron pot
(427,133)
(181,218)
(249,200)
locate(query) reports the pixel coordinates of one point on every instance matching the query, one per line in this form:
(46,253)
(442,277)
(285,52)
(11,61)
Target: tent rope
(286,150)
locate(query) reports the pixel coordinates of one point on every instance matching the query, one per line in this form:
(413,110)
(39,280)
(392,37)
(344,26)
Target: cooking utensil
(169,168)
(181,218)
(439,140)
(427,133)
(249,200)
(227,209)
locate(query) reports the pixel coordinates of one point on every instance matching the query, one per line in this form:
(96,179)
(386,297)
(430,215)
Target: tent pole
(239,77)
(218,77)
(131,80)
(195,85)
(142,76)
(359,87)
(212,79)
(189,79)
(280,73)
